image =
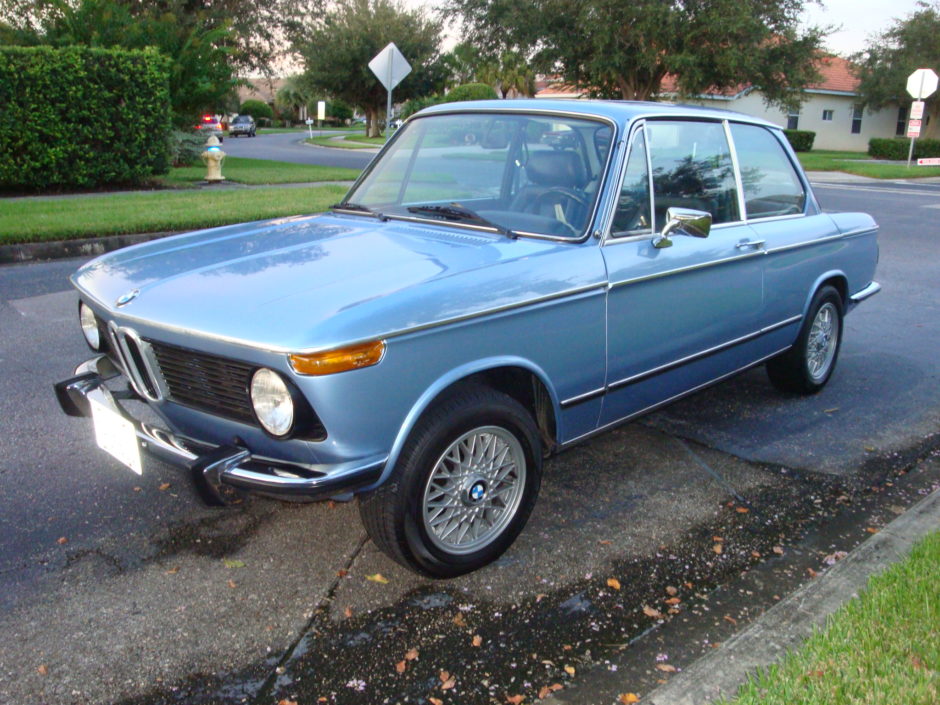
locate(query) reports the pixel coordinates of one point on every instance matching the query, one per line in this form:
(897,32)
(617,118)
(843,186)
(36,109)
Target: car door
(680,316)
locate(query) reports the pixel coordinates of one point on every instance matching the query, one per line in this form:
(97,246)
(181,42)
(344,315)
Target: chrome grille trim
(140,368)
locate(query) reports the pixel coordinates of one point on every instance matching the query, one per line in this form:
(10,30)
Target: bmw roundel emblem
(124,299)
(477,491)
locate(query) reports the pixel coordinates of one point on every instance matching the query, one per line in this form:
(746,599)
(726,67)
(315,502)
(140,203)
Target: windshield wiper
(350,206)
(457,212)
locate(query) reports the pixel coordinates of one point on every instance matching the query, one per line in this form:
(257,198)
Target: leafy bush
(470,91)
(898,147)
(416,104)
(82,117)
(800,140)
(185,147)
(257,109)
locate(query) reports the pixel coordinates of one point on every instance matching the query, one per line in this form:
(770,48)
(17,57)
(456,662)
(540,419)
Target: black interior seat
(556,177)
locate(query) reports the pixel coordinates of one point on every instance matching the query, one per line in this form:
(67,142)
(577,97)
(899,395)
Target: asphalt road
(290,147)
(114,586)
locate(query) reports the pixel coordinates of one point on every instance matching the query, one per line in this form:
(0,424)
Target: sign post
(309,122)
(920,84)
(390,67)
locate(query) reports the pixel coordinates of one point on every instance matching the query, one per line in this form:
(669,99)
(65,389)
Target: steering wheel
(565,193)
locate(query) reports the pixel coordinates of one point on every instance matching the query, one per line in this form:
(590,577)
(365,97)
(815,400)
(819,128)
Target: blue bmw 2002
(505,279)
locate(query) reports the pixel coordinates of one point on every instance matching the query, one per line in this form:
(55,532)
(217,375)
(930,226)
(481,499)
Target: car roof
(620,111)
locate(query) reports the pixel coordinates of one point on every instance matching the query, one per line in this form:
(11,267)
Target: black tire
(807,366)
(397,514)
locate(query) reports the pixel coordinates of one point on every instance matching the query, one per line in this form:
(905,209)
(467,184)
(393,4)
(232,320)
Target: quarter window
(632,216)
(692,168)
(771,185)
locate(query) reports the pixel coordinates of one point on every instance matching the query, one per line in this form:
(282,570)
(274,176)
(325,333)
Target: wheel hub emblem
(124,299)
(477,491)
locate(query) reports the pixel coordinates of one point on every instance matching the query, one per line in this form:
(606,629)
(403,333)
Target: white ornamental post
(390,67)
(920,84)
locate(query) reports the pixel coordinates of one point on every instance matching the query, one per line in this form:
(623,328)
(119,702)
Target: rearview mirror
(683,221)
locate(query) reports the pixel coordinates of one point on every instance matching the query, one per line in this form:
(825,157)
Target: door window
(632,216)
(771,185)
(692,168)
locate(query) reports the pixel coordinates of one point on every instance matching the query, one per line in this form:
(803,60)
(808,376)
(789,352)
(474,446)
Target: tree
(291,97)
(511,72)
(884,66)
(624,48)
(339,46)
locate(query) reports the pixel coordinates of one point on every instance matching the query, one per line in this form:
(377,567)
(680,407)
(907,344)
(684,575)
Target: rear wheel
(463,488)
(807,366)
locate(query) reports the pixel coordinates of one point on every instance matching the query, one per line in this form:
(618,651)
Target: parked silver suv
(242,125)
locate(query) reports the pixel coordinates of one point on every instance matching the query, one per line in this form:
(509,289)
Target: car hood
(314,282)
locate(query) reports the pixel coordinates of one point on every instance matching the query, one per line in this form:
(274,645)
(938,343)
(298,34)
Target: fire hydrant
(213,157)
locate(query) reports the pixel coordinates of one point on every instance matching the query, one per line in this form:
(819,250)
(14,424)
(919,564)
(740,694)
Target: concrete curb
(61,249)
(787,624)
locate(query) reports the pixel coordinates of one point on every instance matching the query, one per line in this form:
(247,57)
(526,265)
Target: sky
(859,20)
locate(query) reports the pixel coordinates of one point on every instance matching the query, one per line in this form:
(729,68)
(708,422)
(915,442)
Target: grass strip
(261,171)
(881,648)
(356,141)
(34,220)
(861,164)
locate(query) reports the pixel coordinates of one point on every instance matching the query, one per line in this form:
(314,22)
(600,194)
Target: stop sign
(921,83)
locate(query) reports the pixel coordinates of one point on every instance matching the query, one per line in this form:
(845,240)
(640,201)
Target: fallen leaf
(831,411)
(672,601)
(449,683)
(569,670)
(164,486)
(138,489)
(42,669)
(652,612)
(627,698)
(613,583)
(477,640)
(741,510)
(717,548)
(377,578)
(871,530)
(232,584)
(869,449)
(671,591)
(812,573)
(322,699)
(778,550)
(229,563)
(459,620)
(544,692)
(342,573)
(514,699)
(672,610)
(665,668)
(285,701)
(435,701)
(173,571)
(444,676)
(348,612)
(688,584)
(755,554)
(401,666)
(331,504)
(917,663)
(62,540)
(729,618)
(719,539)
(555,687)
(604,542)
(566,647)
(540,597)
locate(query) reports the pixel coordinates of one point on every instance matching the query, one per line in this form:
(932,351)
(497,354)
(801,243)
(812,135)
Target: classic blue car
(506,279)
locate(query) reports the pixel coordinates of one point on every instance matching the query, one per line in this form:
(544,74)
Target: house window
(856,119)
(793,121)
(827,115)
(902,120)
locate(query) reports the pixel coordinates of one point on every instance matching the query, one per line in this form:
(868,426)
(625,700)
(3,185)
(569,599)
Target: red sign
(931,161)
(913,128)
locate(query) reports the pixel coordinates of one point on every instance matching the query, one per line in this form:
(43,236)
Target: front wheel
(463,488)
(807,366)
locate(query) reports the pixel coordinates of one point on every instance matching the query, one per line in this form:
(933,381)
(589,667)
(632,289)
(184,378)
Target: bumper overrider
(218,472)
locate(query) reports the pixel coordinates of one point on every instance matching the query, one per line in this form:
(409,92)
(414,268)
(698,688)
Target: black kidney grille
(206,382)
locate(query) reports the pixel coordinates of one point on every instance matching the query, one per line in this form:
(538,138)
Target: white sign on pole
(321,110)
(913,128)
(390,67)
(922,83)
(929,161)
(917,110)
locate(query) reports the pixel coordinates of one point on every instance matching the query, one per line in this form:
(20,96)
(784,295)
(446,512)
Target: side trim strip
(657,405)
(690,268)
(865,293)
(639,377)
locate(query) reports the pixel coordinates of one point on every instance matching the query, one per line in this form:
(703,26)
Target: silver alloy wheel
(822,341)
(474,490)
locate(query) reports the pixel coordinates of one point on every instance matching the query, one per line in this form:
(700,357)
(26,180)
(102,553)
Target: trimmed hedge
(80,117)
(470,91)
(259,110)
(897,148)
(800,140)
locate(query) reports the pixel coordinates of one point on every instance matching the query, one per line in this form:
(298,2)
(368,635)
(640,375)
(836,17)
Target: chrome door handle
(750,243)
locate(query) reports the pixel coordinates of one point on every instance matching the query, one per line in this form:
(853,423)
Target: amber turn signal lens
(332,361)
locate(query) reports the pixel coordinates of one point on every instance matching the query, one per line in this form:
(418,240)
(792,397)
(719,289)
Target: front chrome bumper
(217,471)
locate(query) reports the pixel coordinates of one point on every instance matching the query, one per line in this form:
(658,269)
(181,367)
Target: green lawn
(261,171)
(882,648)
(30,220)
(354,141)
(861,164)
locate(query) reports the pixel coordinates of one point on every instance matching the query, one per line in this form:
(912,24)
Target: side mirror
(683,221)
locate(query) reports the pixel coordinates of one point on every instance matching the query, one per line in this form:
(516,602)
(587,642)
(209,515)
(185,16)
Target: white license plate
(116,435)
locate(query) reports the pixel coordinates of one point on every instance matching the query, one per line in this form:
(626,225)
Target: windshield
(520,173)
(241,119)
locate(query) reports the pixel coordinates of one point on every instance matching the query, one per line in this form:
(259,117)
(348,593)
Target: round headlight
(89,326)
(272,402)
